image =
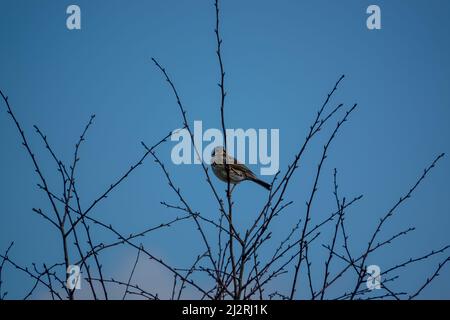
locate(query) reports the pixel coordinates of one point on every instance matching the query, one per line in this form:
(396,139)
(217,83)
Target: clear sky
(281,59)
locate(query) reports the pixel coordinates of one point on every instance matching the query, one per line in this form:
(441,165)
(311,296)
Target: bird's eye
(214,153)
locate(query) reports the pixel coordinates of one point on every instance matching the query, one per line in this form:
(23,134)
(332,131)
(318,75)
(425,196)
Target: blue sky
(281,59)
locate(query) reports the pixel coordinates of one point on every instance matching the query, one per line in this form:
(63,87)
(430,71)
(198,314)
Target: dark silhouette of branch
(125,240)
(131,274)
(413,260)
(236,281)
(189,210)
(430,279)
(67,196)
(191,134)
(311,198)
(247,271)
(189,273)
(141,292)
(32,156)
(308,267)
(37,277)
(352,262)
(387,216)
(4,257)
(336,231)
(121,240)
(119,181)
(277,192)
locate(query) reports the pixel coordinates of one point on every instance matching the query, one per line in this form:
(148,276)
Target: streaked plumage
(238,171)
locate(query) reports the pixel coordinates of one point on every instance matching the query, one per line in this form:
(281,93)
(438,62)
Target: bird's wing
(239,167)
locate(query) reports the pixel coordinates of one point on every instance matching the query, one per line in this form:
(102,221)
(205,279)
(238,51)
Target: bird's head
(218,152)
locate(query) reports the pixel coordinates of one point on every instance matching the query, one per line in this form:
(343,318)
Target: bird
(238,171)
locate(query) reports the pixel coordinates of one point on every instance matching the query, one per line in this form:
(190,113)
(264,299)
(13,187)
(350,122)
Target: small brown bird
(238,171)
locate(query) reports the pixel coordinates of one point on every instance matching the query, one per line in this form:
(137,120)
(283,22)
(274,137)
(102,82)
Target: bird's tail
(261,183)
